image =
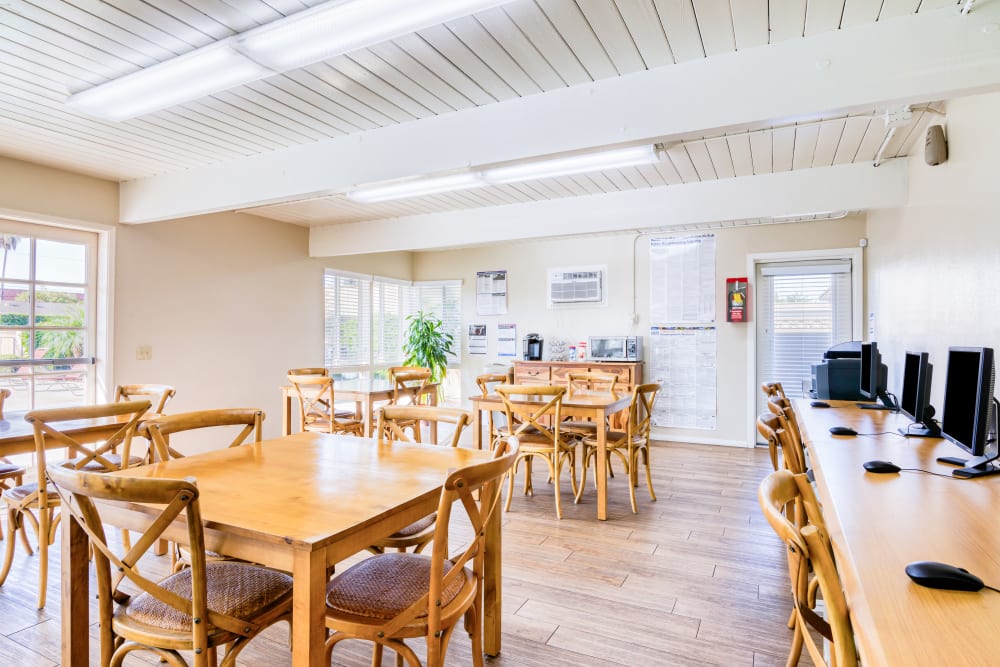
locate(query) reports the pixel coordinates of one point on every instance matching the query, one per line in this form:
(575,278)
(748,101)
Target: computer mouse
(881,466)
(941,575)
(820,404)
(842,430)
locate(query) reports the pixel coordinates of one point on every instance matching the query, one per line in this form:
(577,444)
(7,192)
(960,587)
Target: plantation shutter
(347,314)
(390,298)
(803,309)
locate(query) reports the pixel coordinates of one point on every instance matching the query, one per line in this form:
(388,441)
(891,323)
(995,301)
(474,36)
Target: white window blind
(803,309)
(347,320)
(388,321)
(443,299)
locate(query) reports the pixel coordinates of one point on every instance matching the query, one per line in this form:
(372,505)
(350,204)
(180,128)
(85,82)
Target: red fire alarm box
(736,299)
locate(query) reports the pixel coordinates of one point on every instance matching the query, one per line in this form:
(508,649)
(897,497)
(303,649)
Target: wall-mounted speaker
(936,146)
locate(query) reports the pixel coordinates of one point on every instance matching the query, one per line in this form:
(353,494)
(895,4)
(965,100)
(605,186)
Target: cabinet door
(624,374)
(531,374)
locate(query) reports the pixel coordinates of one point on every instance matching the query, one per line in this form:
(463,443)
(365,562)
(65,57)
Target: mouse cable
(895,433)
(991,588)
(931,472)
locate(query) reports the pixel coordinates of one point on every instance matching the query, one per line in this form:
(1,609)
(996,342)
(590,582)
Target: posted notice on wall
(682,359)
(682,279)
(506,340)
(491,292)
(477,339)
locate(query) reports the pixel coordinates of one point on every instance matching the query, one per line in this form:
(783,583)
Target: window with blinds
(366,318)
(803,309)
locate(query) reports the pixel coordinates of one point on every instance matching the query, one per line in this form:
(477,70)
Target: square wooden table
(300,503)
(594,406)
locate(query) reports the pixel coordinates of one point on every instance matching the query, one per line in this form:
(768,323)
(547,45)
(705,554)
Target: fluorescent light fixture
(339,27)
(182,79)
(417,187)
(573,164)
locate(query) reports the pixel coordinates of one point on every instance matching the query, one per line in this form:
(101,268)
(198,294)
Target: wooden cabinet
(555,372)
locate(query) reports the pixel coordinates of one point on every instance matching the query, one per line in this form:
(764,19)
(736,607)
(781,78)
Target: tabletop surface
(881,522)
(364,386)
(335,484)
(577,400)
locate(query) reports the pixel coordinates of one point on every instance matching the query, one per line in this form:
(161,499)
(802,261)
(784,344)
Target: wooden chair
(773,390)
(536,437)
(11,474)
(230,602)
(159,429)
(324,372)
(628,445)
(24,501)
(586,382)
(396,596)
(316,406)
(774,429)
(487,383)
(419,533)
(809,550)
(157,394)
(409,384)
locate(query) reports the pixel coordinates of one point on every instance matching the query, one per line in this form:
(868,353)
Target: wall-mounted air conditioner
(577,285)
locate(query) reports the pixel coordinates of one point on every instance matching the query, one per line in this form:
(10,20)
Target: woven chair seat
(19,493)
(615,439)
(234,589)
(384,586)
(11,470)
(583,427)
(416,527)
(533,442)
(324,424)
(114,459)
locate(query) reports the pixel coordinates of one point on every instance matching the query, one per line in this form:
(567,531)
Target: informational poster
(506,340)
(682,279)
(477,339)
(683,360)
(491,292)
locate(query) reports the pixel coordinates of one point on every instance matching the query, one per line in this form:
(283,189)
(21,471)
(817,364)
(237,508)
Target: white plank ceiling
(52,48)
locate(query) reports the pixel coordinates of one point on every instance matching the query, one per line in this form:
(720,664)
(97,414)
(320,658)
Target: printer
(838,376)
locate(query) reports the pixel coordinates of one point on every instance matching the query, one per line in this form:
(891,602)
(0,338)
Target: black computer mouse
(881,466)
(819,404)
(941,575)
(842,430)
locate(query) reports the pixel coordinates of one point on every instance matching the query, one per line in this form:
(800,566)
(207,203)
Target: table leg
(75,611)
(308,608)
(492,598)
(369,406)
(286,413)
(601,467)
(433,425)
(477,426)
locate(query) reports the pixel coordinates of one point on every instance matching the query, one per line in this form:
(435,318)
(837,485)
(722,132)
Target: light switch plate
(144,353)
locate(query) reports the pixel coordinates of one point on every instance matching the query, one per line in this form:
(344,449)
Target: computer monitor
(969,407)
(873,378)
(915,396)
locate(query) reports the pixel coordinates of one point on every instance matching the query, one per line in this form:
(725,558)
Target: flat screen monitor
(968,398)
(915,395)
(869,370)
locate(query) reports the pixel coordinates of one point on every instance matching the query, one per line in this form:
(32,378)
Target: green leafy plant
(427,344)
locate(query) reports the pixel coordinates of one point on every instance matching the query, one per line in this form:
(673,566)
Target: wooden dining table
(299,503)
(364,393)
(18,436)
(595,406)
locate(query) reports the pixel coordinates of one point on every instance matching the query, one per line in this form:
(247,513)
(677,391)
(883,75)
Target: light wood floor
(696,578)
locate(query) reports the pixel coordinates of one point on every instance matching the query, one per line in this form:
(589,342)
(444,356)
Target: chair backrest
(772,389)
(314,370)
(460,485)
(4,395)
(315,396)
(774,429)
(79,490)
(487,384)
(48,436)
(531,415)
(408,383)
(391,416)
(783,406)
(640,411)
(600,381)
(159,429)
(809,549)
(157,394)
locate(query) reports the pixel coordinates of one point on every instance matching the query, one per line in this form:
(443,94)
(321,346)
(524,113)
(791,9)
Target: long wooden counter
(881,522)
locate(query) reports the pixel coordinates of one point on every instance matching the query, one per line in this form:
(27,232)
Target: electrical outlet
(144,353)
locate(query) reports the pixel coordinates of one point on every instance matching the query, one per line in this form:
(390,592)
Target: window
(47,307)
(803,309)
(366,321)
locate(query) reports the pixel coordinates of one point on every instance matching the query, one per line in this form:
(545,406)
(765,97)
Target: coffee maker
(533,347)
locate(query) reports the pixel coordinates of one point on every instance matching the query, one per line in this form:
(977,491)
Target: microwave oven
(615,348)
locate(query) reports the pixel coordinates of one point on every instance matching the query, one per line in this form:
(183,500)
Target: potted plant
(427,344)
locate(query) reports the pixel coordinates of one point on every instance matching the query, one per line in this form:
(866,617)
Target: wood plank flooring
(695,578)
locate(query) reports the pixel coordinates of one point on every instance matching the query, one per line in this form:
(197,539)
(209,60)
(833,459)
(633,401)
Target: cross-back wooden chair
(487,384)
(392,597)
(419,533)
(773,427)
(230,603)
(772,389)
(11,474)
(586,382)
(159,429)
(809,551)
(536,423)
(323,372)
(157,394)
(33,504)
(409,384)
(629,445)
(317,413)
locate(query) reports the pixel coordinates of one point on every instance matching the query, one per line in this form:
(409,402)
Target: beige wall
(44,193)
(934,266)
(528,262)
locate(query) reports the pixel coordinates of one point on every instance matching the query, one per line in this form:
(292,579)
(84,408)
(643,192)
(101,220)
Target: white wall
(934,265)
(527,263)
